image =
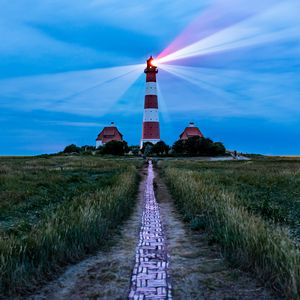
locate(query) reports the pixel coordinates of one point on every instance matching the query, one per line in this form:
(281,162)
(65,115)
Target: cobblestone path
(150,274)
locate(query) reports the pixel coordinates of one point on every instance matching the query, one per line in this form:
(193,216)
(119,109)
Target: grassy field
(53,211)
(251,208)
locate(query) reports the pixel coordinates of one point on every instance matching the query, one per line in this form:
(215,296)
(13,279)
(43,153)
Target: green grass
(268,188)
(54,211)
(250,208)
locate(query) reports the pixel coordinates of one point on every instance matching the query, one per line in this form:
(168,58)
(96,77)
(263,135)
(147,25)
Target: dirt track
(197,268)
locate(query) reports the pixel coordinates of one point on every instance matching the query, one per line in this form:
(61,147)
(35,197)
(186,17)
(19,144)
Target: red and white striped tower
(150,120)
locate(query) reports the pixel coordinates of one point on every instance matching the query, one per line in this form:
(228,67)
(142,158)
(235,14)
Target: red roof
(110,133)
(190,132)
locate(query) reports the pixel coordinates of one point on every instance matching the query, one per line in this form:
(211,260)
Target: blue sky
(68,68)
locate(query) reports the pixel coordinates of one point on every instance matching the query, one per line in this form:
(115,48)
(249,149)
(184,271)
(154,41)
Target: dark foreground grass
(54,211)
(244,206)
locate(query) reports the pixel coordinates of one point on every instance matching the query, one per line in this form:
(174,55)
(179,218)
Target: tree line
(193,146)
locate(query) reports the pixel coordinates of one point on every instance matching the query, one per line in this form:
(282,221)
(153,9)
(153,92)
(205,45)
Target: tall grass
(269,188)
(247,240)
(73,229)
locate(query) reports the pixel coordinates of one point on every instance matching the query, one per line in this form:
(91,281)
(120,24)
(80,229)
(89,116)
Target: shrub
(218,149)
(147,148)
(115,148)
(198,146)
(134,149)
(160,148)
(71,149)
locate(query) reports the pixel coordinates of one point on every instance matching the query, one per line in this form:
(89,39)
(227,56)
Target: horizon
(69,69)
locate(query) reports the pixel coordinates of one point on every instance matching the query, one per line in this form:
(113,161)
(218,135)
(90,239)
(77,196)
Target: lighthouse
(150,131)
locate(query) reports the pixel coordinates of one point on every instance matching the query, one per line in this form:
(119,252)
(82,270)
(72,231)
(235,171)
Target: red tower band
(150,120)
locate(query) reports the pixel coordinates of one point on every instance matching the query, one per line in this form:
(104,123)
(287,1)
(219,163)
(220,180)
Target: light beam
(268,27)
(88,92)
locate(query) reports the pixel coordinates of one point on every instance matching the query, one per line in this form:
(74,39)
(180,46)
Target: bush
(135,150)
(71,149)
(197,146)
(218,149)
(115,148)
(147,148)
(160,148)
(87,148)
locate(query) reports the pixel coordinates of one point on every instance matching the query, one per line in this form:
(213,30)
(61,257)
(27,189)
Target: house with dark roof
(109,133)
(190,131)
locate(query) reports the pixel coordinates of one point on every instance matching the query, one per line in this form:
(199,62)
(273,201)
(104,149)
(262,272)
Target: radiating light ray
(62,84)
(267,27)
(222,14)
(164,110)
(102,83)
(89,92)
(231,77)
(100,99)
(202,100)
(195,78)
(236,92)
(131,101)
(190,101)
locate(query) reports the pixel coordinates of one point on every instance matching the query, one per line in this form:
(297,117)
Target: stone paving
(150,274)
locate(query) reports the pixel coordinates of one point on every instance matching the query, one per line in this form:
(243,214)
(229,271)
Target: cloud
(23,39)
(74,27)
(75,124)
